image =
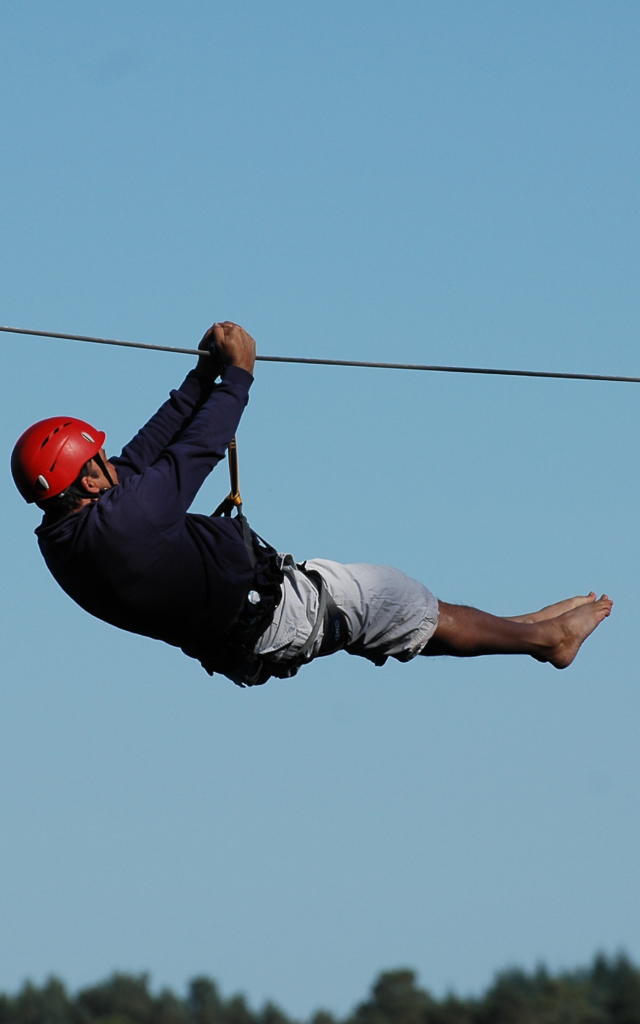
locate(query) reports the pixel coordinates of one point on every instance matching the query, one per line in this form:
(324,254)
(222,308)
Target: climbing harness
(239,660)
(234,656)
(335,631)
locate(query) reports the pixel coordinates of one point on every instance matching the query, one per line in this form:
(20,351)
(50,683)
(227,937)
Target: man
(119,540)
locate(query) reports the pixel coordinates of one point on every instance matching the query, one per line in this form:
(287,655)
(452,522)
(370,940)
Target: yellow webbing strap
(233,499)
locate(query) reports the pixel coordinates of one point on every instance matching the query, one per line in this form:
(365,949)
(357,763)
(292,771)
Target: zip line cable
(329,362)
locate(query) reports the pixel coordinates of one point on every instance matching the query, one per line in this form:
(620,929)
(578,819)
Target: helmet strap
(103,467)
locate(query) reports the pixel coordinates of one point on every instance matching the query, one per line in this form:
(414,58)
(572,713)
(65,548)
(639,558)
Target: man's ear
(90,483)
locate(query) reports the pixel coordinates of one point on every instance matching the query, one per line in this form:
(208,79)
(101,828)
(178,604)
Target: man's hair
(69,500)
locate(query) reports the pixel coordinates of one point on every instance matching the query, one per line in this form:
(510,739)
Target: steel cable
(331,362)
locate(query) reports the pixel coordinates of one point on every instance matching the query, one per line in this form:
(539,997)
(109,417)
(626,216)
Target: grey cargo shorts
(388,614)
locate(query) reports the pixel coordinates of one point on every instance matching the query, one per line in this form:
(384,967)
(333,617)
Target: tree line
(607,992)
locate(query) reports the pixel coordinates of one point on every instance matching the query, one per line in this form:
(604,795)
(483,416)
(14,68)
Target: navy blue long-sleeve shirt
(137,558)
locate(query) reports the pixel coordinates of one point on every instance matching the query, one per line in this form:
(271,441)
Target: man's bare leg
(467,633)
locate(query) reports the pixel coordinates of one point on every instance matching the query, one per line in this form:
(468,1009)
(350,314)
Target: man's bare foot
(572,628)
(552,611)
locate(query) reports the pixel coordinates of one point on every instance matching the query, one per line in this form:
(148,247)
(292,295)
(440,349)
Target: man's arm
(166,488)
(165,425)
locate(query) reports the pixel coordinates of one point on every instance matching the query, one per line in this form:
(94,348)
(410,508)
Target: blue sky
(428,182)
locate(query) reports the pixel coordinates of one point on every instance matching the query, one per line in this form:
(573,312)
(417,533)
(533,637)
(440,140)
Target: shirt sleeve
(165,425)
(164,490)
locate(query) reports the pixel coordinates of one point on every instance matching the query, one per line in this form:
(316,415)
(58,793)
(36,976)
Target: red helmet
(50,454)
